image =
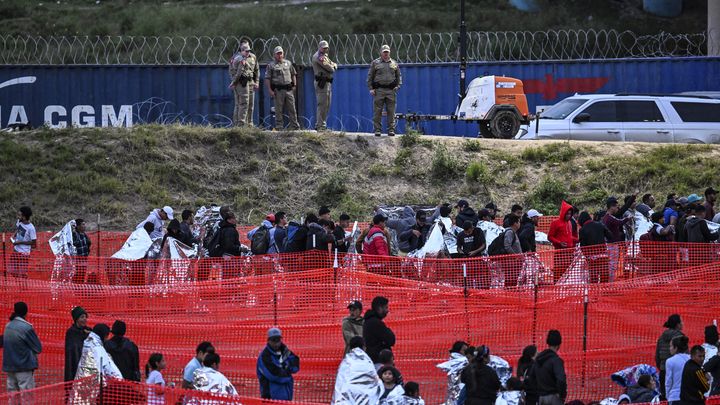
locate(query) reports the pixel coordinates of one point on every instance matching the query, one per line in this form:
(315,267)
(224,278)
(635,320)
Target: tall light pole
(463,50)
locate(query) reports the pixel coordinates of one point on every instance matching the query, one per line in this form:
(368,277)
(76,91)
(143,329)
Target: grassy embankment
(276,17)
(121,174)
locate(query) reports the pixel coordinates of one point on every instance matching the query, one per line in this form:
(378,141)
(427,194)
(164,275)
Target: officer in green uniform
(324,69)
(256,81)
(384,80)
(280,80)
(242,68)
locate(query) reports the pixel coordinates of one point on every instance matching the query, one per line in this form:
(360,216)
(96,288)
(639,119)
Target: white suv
(629,117)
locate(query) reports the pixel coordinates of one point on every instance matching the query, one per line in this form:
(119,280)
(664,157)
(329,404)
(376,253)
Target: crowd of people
(368,373)
(680,219)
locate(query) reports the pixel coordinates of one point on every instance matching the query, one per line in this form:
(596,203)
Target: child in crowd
(153,372)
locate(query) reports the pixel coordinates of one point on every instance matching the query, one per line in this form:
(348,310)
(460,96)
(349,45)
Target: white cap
(277,49)
(169,211)
(534,213)
(323,44)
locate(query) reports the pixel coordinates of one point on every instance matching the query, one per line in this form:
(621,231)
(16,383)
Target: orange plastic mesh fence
(597,264)
(606,327)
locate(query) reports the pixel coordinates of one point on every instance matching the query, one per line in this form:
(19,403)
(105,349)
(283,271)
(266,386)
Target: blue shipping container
(130,95)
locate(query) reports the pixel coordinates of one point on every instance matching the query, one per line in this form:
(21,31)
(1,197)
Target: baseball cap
(277,49)
(385,48)
(694,198)
(355,305)
(244,47)
(270,217)
(710,190)
(323,44)
(491,206)
(462,203)
(274,332)
(534,213)
(483,213)
(169,211)
(682,201)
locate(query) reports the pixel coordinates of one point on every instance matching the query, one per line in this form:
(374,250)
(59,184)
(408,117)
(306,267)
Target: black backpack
(295,238)
(260,242)
(213,244)
(497,247)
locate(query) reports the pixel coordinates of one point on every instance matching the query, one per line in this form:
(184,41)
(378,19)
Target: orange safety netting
(604,263)
(606,327)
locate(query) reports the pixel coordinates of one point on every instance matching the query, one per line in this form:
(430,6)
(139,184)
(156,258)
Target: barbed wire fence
(349,49)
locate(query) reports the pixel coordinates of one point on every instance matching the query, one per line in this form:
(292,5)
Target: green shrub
(331,189)
(477,172)
(444,165)
(551,153)
(546,197)
(410,139)
(403,158)
(472,145)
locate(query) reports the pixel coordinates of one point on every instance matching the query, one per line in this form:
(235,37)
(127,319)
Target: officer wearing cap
(324,69)
(384,80)
(256,81)
(280,78)
(243,71)
(352,325)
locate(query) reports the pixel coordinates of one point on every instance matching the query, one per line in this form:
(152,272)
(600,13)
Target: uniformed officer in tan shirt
(255,84)
(324,69)
(384,80)
(280,78)
(243,75)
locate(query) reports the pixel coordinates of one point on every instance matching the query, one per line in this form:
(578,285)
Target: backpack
(497,247)
(260,242)
(292,235)
(213,244)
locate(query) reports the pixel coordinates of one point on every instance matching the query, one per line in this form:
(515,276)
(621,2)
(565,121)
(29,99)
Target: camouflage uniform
(323,68)
(385,79)
(255,83)
(280,75)
(242,70)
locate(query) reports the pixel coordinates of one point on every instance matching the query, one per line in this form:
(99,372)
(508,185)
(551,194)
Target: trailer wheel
(504,124)
(485,130)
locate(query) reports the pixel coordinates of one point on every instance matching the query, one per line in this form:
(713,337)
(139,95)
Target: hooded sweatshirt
(548,374)
(640,395)
(377,335)
(467,214)
(698,232)
(561,230)
(126,356)
(403,223)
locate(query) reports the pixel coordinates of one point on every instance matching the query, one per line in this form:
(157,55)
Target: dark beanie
(119,328)
(673,321)
(101,330)
(711,334)
(20,309)
(77,312)
(553,338)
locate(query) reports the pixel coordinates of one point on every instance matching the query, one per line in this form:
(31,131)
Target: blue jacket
(275,370)
(21,346)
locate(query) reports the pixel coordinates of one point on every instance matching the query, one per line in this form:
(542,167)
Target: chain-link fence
(351,48)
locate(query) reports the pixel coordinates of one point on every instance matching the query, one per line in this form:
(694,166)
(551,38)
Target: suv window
(697,112)
(640,111)
(602,111)
(562,109)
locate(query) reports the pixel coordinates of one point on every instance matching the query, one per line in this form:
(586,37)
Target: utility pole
(713,28)
(463,50)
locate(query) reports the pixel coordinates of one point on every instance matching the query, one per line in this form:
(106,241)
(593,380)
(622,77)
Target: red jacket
(561,230)
(376,242)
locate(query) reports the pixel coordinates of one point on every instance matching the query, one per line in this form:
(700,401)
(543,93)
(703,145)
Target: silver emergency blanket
(453,368)
(577,272)
(502,368)
(491,230)
(395,397)
(207,379)
(62,247)
(174,264)
(94,362)
(357,382)
(509,398)
(534,272)
(135,247)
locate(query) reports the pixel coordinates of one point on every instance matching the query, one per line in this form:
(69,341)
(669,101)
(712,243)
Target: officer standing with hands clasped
(323,68)
(384,80)
(280,78)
